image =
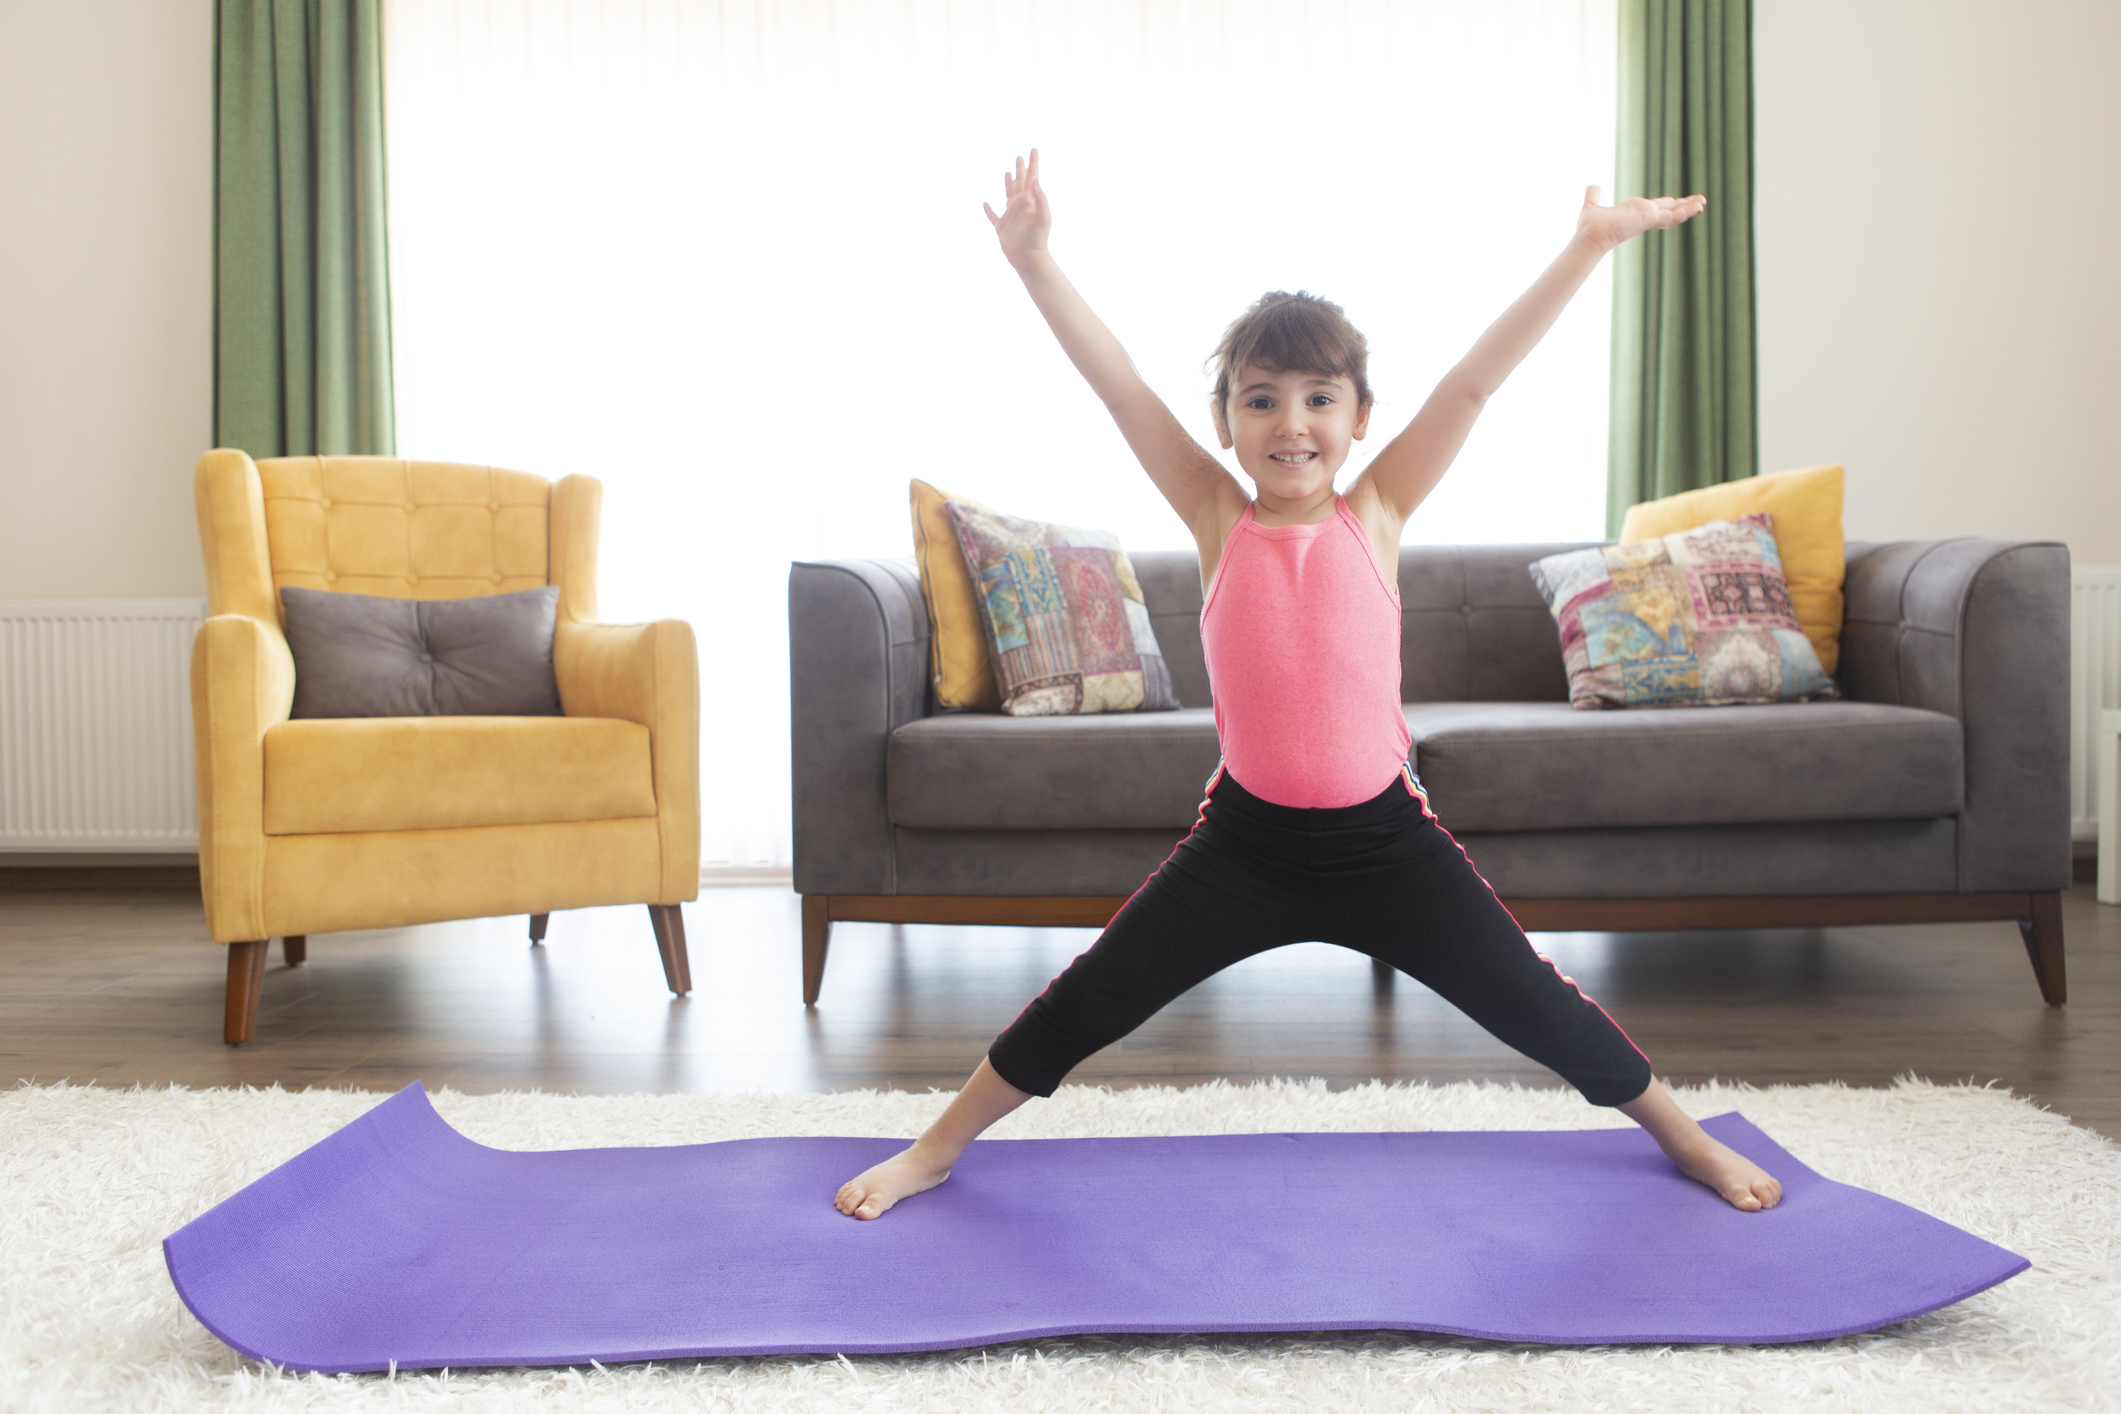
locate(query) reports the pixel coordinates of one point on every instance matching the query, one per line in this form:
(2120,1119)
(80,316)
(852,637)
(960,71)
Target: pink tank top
(1301,635)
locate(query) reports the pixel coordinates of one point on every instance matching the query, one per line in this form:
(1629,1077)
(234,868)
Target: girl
(1314,826)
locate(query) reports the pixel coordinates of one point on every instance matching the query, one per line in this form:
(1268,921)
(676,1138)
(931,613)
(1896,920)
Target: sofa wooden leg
(294,949)
(538,922)
(2043,944)
(669,922)
(817,936)
(246,980)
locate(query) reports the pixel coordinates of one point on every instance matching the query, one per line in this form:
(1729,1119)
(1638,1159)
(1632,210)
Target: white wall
(1938,218)
(106,294)
(1939,203)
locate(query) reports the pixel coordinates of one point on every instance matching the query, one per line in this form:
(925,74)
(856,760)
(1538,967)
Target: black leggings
(1382,877)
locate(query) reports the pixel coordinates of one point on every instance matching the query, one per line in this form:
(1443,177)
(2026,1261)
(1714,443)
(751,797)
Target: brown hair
(1285,333)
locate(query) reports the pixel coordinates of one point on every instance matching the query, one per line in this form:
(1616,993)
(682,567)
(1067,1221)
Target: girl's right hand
(1025,218)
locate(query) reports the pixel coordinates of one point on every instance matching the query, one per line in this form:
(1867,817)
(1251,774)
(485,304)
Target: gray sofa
(1937,790)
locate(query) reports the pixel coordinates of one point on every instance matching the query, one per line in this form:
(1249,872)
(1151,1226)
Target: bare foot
(1742,1183)
(876,1191)
(1737,1179)
(928,1161)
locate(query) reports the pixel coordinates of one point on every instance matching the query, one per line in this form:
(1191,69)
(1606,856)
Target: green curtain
(301,265)
(1684,374)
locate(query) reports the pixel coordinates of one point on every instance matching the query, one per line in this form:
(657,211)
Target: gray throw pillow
(362,655)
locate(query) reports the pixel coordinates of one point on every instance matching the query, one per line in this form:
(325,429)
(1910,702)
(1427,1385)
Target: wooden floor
(125,988)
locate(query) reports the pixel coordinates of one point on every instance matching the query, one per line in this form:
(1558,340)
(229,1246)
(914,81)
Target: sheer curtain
(729,257)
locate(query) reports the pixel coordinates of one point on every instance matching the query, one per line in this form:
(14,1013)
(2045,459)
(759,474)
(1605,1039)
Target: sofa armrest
(857,671)
(1979,630)
(650,674)
(242,685)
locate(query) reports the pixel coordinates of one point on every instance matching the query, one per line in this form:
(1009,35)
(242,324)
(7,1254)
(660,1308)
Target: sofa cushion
(1541,766)
(424,773)
(1473,627)
(969,771)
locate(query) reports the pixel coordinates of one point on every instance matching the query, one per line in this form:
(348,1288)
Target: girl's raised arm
(1205,495)
(1404,473)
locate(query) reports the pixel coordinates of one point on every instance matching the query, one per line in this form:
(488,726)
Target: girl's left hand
(1609,226)
(1026,219)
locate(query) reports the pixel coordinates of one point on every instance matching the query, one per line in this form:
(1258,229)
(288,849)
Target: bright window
(729,257)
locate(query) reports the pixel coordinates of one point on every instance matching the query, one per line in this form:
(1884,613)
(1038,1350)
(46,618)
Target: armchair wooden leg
(817,936)
(295,948)
(2043,944)
(246,979)
(537,925)
(669,922)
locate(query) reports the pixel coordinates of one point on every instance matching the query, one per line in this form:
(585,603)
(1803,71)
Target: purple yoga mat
(398,1239)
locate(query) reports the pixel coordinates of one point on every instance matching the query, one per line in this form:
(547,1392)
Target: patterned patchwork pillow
(1698,618)
(1066,626)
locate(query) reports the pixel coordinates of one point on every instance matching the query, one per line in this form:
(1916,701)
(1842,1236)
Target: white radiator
(2094,683)
(95,725)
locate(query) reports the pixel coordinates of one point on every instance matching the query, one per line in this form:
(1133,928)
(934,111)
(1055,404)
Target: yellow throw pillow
(957,643)
(1806,505)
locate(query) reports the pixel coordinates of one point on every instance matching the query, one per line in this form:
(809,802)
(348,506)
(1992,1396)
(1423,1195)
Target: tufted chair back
(405,529)
(389,526)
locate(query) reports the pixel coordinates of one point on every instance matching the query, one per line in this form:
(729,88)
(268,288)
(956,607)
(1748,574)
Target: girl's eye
(1260,404)
(1319,400)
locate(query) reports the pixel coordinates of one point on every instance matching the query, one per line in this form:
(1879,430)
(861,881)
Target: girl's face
(1291,431)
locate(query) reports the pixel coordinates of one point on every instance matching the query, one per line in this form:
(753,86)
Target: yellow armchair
(330,824)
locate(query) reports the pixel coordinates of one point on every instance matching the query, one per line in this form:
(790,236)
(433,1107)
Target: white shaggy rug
(91,1181)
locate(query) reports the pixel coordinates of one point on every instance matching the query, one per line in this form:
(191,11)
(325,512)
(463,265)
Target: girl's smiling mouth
(1292,458)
